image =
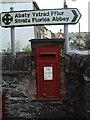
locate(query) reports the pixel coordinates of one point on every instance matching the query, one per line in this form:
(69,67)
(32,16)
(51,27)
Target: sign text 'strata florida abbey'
(40,17)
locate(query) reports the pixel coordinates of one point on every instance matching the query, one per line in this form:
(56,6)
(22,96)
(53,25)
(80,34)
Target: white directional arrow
(40,17)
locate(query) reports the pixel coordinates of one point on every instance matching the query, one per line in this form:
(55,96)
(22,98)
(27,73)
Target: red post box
(48,72)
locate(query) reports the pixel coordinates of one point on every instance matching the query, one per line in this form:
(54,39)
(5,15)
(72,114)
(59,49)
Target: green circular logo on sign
(7,19)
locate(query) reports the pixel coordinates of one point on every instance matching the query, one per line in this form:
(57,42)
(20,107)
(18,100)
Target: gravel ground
(55,109)
(49,109)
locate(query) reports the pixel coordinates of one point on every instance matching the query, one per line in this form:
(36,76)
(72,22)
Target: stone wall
(78,84)
(16,76)
(20,88)
(86,99)
(19,85)
(20,62)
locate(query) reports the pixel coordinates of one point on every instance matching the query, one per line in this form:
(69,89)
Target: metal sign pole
(12,37)
(66,32)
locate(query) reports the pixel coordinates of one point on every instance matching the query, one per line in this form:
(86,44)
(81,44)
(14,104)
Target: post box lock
(44,94)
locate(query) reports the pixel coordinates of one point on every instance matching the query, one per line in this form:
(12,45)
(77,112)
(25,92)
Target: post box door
(48,72)
(48,82)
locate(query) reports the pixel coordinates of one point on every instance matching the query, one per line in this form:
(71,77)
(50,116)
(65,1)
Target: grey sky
(89,16)
(82,5)
(22,34)
(16,1)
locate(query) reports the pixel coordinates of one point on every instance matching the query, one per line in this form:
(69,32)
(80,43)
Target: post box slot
(47,54)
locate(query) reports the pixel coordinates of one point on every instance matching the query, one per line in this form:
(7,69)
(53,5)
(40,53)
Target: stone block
(33,89)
